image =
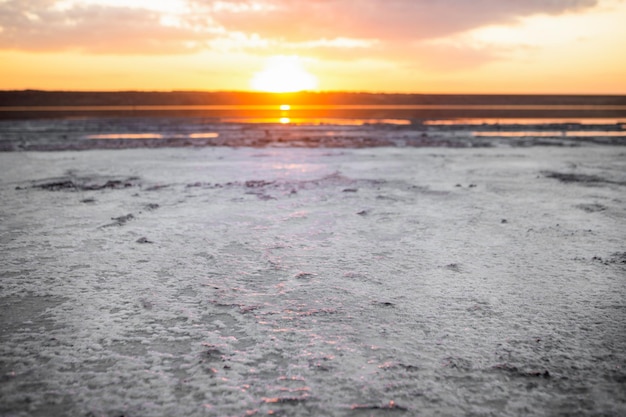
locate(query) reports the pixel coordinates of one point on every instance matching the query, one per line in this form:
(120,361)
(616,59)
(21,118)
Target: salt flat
(296,282)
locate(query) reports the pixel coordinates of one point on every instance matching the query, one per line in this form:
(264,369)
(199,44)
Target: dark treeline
(145,98)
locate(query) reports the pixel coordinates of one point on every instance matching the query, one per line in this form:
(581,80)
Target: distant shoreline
(30,98)
(20,105)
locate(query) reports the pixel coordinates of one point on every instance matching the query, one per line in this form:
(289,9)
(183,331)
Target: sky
(412,46)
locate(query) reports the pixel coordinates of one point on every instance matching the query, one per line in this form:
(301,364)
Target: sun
(283,74)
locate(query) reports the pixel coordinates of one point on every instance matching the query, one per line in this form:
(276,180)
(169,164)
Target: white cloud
(337,43)
(165,6)
(44,25)
(297,20)
(339,29)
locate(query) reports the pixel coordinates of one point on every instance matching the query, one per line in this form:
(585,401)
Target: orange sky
(429,46)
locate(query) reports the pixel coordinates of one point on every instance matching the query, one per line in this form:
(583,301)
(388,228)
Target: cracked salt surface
(233,282)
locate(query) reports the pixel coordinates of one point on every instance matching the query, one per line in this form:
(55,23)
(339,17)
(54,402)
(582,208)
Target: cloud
(401,31)
(37,25)
(297,20)
(325,26)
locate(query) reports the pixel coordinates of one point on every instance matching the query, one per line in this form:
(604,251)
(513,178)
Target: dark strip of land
(145,98)
(34,104)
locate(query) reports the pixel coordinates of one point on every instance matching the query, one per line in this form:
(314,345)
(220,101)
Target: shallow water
(124,132)
(529,121)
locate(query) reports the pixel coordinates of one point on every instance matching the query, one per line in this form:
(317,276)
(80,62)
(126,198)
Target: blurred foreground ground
(296,282)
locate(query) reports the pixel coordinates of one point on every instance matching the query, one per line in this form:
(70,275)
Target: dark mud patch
(120,221)
(286,400)
(617,258)
(258,183)
(383,304)
(400,366)
(390,406)
(262,196)
(454,267)
(272,190)
(570,178)
(212,353)
(157,187)
(591,208)
(518,372)
(57,186)
(454,362)
(84,184)
(305,275)
(200,184)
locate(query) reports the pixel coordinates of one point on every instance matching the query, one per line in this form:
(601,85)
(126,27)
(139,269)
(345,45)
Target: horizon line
(404,93)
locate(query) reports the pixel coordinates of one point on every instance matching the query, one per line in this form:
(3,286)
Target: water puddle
(207,135)
(595,133)
(317,121)
(126,136)
(563,133)
(526,121)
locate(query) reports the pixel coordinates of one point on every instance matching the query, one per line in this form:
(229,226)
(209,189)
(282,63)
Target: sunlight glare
(283,74)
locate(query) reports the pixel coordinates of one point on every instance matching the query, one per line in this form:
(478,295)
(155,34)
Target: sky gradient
(428,46)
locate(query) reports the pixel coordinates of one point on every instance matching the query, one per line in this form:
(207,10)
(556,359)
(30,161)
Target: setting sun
(283,74)
(286,46)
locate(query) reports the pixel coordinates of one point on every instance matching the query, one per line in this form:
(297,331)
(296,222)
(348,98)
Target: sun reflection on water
(204,135)
(315,121)
(198,135)
(127,136)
